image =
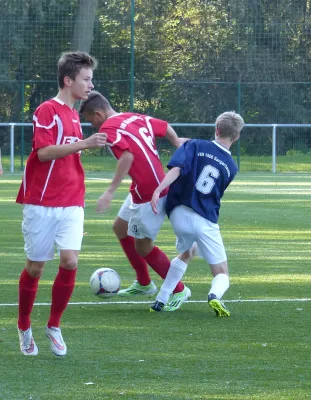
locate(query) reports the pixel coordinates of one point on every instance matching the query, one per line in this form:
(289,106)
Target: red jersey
(56,183)
(136,134)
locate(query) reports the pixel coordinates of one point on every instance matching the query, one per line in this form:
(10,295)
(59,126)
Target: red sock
(27,291)
(137,262)
(61,292)
(160,263)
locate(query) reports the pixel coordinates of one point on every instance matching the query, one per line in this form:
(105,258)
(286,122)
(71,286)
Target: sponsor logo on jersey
(70,139)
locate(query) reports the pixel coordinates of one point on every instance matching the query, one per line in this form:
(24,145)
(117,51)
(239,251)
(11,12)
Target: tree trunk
(83,31)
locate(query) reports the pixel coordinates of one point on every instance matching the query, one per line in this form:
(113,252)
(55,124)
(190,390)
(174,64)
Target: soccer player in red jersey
(131,139)
(52,192)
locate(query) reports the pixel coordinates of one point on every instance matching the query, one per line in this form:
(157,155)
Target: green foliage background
(187,60)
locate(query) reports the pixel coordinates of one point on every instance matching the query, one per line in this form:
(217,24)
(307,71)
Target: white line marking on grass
(86,303)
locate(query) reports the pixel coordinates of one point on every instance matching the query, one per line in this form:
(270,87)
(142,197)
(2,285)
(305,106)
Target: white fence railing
(274,127)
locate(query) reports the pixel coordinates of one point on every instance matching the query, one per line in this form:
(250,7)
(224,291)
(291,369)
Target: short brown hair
(70,64)
(229,124)
(95,101)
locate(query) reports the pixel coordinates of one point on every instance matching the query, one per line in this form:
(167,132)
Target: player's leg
(220,284)
(27,290)
(62,290)
(144,226)
(166,300)
(68,240)
(211,248)
(39,232)
(183,227)
(120,228)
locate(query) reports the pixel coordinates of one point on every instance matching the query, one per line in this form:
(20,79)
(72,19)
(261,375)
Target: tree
(83,29)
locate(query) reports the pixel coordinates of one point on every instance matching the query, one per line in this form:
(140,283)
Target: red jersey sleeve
(115,141)
(157,126)
(45,126)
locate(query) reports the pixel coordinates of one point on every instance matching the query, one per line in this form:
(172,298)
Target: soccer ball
(105,282)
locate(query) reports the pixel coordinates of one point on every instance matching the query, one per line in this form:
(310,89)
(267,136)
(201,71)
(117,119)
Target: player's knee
(221,268)
(185,257)
(143,246)
(35,268)
(70,264)
(119,228)
(69,259)
(115,227)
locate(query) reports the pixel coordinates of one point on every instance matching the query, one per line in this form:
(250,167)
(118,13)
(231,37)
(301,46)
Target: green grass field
(261,164)
(119,350)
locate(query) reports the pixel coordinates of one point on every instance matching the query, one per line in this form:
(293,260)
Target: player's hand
(103,203)
(154,201)
(1,170)
(96,140)
(181,141)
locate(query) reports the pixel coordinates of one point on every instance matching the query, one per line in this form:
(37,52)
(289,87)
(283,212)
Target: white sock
(174,275)
(219,285)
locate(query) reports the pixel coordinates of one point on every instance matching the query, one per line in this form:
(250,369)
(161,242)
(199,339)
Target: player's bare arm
(122,169)
(54,152)
(170,177)
(172,137)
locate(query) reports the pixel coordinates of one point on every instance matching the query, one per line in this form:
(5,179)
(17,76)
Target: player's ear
(236,138)
(100,115)
(67,81)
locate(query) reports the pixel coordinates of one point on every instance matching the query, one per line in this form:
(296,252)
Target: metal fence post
(274,148)
(239,140)
(12,148)
(22,127)
(132,60)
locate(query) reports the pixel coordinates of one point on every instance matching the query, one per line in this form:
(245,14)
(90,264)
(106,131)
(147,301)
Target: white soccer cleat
(27,344)
(58,346)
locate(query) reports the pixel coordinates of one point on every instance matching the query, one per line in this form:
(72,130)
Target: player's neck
(66,97)
(110,112)
(223,142)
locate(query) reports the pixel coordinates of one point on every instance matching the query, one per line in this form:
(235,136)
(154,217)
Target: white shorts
(125,211)
(191,227)
(43,227)
(143,222)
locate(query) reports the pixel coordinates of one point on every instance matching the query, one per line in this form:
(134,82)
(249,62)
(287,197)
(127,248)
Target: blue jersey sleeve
(183,157)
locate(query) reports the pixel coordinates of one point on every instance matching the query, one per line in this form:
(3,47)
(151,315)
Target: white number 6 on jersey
(206,180)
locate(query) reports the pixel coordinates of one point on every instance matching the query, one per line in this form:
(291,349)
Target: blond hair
(229,125)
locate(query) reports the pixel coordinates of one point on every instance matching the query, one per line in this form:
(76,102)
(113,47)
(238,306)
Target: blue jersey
(207,169)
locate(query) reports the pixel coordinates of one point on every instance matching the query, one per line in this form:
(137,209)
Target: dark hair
(70,64)
(95,101)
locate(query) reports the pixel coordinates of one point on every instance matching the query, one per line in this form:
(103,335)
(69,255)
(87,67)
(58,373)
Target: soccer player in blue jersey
(199,173)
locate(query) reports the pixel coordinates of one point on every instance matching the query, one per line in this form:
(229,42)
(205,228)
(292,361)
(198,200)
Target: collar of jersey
(221,147)
(115,115)
(58,100)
